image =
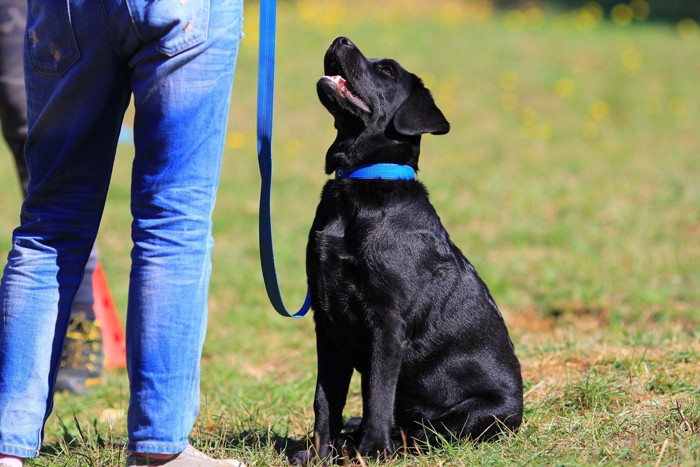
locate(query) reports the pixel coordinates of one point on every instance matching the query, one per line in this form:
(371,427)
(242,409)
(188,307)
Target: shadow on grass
(86,447)
(85,444)
(258,441)
(90,448)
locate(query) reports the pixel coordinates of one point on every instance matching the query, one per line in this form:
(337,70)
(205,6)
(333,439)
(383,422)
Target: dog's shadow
(295,450)
(258,440)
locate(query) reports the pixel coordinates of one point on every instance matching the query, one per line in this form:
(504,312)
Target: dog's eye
(386,70)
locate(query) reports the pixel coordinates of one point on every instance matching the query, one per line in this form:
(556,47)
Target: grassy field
(571,179)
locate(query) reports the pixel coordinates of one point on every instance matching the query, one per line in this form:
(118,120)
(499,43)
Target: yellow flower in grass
(326,15)
(640,9)
(622,14)
(534,17)
(508,80)
(564,87)
(543,132)
(532,127)
(688,28)
(479,10)
(514,20)
(588,17)
(630,58)
(678,106)
(451,12)
(529,116)
(599,110)
(236,140)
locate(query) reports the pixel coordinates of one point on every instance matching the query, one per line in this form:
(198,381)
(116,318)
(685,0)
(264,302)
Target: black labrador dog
(393,297)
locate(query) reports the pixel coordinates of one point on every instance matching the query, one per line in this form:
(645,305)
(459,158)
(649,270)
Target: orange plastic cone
(113,338)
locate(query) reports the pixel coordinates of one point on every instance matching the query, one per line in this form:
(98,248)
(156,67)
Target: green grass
(570,179)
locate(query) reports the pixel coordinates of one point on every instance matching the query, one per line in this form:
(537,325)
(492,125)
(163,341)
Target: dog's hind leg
(476,419)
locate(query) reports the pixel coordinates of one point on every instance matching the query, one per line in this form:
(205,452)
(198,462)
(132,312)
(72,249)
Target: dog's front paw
(375,448)
(301,458)
(310,457)
(319,455)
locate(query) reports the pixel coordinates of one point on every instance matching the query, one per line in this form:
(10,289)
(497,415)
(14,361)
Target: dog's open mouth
(343,89)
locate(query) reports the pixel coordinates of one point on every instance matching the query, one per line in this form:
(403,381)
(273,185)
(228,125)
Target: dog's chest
(364,256)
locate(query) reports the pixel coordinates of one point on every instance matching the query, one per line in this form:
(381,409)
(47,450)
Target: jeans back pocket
(174,25)
(50,42)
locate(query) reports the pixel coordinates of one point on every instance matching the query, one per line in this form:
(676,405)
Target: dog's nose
(343,41)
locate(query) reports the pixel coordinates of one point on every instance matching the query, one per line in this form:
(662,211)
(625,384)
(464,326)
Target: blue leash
(266,88)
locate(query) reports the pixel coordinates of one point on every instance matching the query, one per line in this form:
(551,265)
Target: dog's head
(380,109)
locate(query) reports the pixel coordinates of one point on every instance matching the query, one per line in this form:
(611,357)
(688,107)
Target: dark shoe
(190,457)
(81,361)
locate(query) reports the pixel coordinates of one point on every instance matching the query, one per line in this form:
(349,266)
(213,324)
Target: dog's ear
(418,115)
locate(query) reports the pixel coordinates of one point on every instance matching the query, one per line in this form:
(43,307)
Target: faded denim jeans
(84,59)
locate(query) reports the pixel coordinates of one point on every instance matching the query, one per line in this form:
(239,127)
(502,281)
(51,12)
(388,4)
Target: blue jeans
(83,61)
(13,116)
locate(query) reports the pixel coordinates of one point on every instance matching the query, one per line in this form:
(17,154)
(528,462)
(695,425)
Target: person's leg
(82,358)
(77,93)
(13,103)
(181,95)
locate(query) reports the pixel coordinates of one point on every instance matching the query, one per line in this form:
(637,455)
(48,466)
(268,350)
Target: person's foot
(81,361)
(190,457)
(11,461)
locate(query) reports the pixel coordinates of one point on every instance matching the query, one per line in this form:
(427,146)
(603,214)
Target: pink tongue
(339,81)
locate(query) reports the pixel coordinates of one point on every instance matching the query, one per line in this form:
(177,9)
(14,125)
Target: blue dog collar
(378,171)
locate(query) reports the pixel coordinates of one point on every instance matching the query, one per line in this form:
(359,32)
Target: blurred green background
(638,10)
(570,179)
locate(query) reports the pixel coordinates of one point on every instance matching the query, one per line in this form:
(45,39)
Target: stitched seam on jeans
(195,40)
(110,32)
(38,63)
(35,451)
(133,22)
(134,446)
